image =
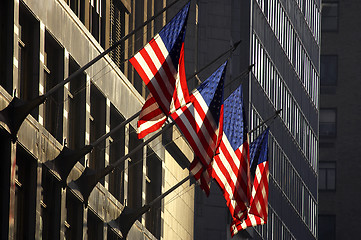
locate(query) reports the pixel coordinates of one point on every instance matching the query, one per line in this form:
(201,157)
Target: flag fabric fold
(201,124)
(230,167)
(258,210)
(160,64)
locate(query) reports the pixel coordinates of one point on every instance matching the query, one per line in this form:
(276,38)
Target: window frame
(335,123)
(336,4)
(323,56)
(327,169)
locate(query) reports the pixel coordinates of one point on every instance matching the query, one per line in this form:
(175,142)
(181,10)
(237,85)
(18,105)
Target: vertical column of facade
(41,72)
(39,189)
(108,142)
(12,167)
(162,202)
(144,176)
(145,17)
(63,213)
(12,192)
(107,159)
(87,141)
(196,37)
(151,9)
(66,102)
(16,80)
(126,164)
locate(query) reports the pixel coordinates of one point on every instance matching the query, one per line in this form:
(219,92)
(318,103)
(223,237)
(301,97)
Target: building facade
(42,43)
(339,121)
(282,39)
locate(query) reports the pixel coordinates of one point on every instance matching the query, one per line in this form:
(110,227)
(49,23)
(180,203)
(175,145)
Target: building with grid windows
(42,43)
(282,39)
(339,121)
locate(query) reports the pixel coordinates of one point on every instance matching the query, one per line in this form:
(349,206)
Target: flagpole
(129,216)
(274,116)
(67,158)
(231,49)
(160,197)
(242,74)
(116,44)
(15,113)
(88,180)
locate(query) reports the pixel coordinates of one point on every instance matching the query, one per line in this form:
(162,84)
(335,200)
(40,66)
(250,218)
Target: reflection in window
(54,73)
(28,45)
(24,204)
(95,227)
(97,128)
(327,176)
(329,70)
(153,190)
(74,215)
(50,206)
(329,20)
(117,147)
(327,122)
(135,169)
(76,108)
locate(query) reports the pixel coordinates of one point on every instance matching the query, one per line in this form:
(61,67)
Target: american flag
(230,167)
(160,64)
(257,213)
(201,123)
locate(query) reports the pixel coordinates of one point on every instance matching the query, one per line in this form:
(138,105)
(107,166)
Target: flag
(160,64)
(257,213)
(230,167)
(201,123)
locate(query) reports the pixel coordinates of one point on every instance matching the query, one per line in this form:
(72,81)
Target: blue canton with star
(234,123)
(258,150)
(212,91)
(173,34)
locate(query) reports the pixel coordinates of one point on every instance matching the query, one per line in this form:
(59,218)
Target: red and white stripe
(231,171)
(167,85)
(258,211)
(202,133)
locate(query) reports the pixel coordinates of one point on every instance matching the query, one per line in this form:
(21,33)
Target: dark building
(282,39)
(340,98)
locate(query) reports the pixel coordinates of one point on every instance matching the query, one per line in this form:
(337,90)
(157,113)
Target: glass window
(153,190)
(97,128)
(329,20)
(135,172)
(95,227)
(117,150)
(25,196)
(54,74)
(74,215)
(77,107)
(28,46)
(327,176)
(326,227)
(329,70)
(327,122)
